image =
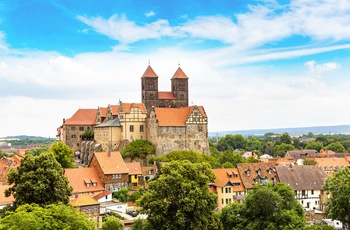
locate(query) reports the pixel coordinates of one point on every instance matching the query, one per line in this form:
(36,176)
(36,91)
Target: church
(163,118)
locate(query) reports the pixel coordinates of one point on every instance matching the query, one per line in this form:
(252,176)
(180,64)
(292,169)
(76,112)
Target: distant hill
(22,137)
(338,129)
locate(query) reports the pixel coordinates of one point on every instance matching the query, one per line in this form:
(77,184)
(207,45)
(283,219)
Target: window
(81,128)
(131,128)
(74,136)
(141,128)
(312,192)
(222,201)
(95,209)
(228,189)
(73,128)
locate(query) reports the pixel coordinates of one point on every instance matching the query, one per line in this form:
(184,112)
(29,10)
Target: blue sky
(251,64)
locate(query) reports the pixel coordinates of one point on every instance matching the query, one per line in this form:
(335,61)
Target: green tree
(316,145)
(265,207)
(309,161)
(140,224)
(255,144)
(121,195)
(269,148)
(285,138)
(37,151)
(63,154)
(228,165)
(281,150)
(39,180)
(336,147)
(179,198)
(54,216)
(138,149)
(112,223)
(232,142)
(338,205)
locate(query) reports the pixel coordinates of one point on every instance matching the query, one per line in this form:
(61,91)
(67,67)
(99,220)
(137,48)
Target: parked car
(132,213)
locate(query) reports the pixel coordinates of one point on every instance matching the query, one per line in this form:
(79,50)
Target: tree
(112,223)
(39,180)
(338,205)
(138,149)
(266,207)
(37,151)
(316,145)
(121,195)
(255,144)
(285,138)
(336,147)
(281,150)
(63,154)
(140,224)
(54,216)
(232,142)
(309,161)
(179,198)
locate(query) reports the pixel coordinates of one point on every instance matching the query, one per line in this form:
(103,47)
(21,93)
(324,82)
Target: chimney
(64,120)
(109,153)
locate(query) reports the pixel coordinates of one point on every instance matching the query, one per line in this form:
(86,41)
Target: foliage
(138,149)
(37,151)
(40,180)
(309,161)
(121,195)
(193,157)
(88,134)
(255,144)
(319,227)
(282,149)
(136,195)
(232,142)
(316,145)
(140,224)
(28,140)
(63,154)
(112,223)
(266,207)
(179,198)
(338,205)
(54,216)
(285,138)
(336,147)
(227,165)
(251,160)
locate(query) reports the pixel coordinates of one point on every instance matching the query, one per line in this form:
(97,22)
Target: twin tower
(177,98)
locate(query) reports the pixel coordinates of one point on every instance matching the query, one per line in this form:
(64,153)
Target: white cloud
(3,43)
(316,70)
(149,14)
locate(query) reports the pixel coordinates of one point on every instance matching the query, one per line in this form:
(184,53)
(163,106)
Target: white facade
(309,199)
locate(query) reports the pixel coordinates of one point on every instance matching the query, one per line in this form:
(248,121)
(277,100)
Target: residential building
(89,206)
(307,182)
(178,129)
(108,134)
(135,174)
(299,155)
(257,173)
(84,181)
(228,186)
(331,165)
(4,201)
(111,170)
(6,163)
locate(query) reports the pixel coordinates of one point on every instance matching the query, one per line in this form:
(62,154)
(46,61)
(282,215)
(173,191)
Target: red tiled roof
(166,95)
(179,74)
(78,176)
(114,109)
(222,178)
(175,116)
(102,194)
(334,162)
(134,168)
(267,172)
(103,111)
(128,106)
(5,200)
(83,117)
(113,164)
(6,163)
(149,73)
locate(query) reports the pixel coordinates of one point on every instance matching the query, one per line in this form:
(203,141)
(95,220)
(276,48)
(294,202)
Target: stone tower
(179,87)
(149,87)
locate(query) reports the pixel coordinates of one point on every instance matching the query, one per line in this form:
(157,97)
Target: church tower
(179,87)
(149,87)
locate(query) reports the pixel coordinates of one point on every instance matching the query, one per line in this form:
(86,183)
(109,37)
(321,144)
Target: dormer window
(229,174)
(94,184)
(269,170)
(247,172)
(259,171)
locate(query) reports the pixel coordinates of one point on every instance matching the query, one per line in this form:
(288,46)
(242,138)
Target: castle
(163,118)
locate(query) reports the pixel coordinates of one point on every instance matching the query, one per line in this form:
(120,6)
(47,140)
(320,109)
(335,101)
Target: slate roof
(226,177)
(113,164)
(175,116)
(249,173)
(110,123)
(78,177)
(302,177)
(298,154)
(82,117)
(134,168)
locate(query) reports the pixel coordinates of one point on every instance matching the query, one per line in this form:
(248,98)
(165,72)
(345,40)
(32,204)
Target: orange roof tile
(83,117)
(103,111)
(5,200)
(102,194)
(149,73)
(115,109)
(175,116)
(267,172)
(166,96)
(128,106)
(113,164)
(179,74)
(84,200)
(334,162)
(78,176)
(222,178)
(134,168)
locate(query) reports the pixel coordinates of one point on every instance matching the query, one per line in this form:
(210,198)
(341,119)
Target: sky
(251,64)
